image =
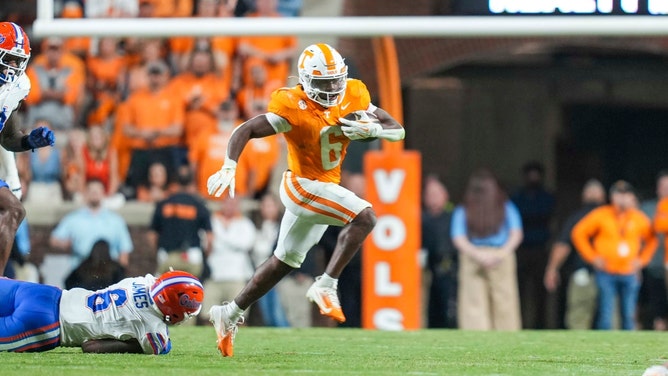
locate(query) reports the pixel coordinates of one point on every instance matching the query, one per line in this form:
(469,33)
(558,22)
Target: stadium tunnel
(586,110)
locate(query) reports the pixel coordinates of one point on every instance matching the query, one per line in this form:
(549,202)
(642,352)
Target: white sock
(236,311)
(327,281)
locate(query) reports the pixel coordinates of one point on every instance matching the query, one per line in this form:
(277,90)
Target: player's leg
(11,215)
(295,238)
(350,240)
(28,316)
(330,204)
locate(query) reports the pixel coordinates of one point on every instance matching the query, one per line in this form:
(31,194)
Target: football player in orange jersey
(311,117)
(14,87)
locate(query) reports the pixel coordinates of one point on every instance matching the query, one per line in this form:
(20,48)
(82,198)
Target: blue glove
(41,137)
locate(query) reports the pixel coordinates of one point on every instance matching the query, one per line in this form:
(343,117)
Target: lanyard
(621,223)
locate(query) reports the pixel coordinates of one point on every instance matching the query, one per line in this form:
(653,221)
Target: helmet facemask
(327,91)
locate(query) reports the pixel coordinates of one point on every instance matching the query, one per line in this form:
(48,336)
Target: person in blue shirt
(486,229)
(80,229)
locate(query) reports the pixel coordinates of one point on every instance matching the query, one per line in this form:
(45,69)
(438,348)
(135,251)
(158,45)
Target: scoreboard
(559,7)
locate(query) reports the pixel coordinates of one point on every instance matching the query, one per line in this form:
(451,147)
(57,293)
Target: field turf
(331,351)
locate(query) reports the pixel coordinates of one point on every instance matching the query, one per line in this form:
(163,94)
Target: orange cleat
(327,300)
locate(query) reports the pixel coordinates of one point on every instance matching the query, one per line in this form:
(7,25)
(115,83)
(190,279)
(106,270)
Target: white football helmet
(14,51)
(323,74)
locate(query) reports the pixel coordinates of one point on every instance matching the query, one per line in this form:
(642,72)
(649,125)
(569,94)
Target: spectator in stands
(257,165)
(178,227)
(653,290)
(223,48)
(57,86)
(577,297)
(200,90)
(45,172)
(81,228)
(157,187)
(140,54)
(111,8)
(486,230)
(254,95)
(170,8)
(230,261)
(121,144)
(72,160)
(536,205)
(100,160)
(441,255)
(270,304)
(97,271)
(78,46)
(153,126)
(618,241)
(104,69)
(276,52)
(208,151)
(290,8)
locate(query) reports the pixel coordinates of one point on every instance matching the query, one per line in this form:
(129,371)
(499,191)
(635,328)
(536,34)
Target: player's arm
(106,346)
(256,127)
(386,127)
(12,139)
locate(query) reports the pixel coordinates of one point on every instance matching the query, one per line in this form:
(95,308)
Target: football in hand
(362,115)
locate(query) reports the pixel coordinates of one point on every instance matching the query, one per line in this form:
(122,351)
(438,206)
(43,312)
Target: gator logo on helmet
(186,301)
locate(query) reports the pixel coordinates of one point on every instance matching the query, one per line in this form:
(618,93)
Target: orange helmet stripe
(329,56)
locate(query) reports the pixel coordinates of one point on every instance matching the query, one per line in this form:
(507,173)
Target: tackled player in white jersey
(127,317)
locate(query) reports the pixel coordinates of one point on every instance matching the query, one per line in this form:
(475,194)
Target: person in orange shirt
(311,118)
(207,154)
(57,85)
(78,46)
(254,95)
(104,69)
(201,92)
(223,48)
(618,240)
(139,55)
(275,52)
(170,8)
(153,126)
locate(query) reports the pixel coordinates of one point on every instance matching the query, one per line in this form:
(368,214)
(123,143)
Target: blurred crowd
(148,120)
(499,260)
(131,111)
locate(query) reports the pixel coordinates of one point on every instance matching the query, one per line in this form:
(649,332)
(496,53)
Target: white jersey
(11,95)
(122,311)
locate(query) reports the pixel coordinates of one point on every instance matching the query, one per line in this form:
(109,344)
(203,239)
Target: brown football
(363,115)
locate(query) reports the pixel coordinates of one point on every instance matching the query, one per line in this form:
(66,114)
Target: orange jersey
(316,144)
(619,239)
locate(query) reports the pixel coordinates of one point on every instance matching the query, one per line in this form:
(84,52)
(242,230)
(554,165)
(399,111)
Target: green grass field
(331,351)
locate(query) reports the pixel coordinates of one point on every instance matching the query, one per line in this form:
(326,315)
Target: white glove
(221,180)
(360,129)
